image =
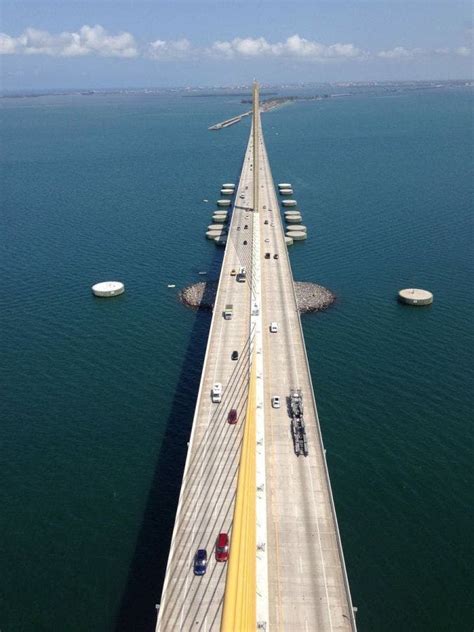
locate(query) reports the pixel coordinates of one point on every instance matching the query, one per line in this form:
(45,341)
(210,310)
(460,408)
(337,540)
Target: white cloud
(399,52)
(463,51)
(89,40)
(95,40)
(293,47)
(169,50)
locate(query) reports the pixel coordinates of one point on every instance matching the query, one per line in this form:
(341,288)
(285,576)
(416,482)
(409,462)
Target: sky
(67,44)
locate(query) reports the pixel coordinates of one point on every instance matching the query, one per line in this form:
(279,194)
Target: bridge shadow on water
(145,579)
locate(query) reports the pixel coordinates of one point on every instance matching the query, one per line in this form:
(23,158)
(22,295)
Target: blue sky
(127,43)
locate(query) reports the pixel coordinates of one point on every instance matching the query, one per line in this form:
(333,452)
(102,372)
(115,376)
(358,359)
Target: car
(233,272)
(238,227)
(273,327)
(276,401)
(266,221)
(235,355)
(245,243)
(232,417)
(267,255)
(246,226)
(246,217)
(200,562)
(275,256)
(264,207)
(267,240)
(241,196)
(222,547)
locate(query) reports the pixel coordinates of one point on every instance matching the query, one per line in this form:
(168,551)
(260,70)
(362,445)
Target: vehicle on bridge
(276,401)
(232,417)
(200,562)
(298,430)
(216,393)
(222,548)
(242,275)
(228,311)
(273,328)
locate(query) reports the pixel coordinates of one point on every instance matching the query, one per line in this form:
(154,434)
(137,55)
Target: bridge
(286,569)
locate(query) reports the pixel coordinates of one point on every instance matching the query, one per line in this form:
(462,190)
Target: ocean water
(97,396)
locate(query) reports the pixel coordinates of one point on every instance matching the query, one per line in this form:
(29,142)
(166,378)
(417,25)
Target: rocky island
(310,297)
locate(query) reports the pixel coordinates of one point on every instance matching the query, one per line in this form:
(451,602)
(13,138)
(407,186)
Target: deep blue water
(97,396)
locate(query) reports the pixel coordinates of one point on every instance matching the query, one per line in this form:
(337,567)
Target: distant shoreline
(223,92)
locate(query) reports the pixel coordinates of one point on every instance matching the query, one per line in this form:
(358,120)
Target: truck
(298,430)
(216,393)
(242,275)
(228,311)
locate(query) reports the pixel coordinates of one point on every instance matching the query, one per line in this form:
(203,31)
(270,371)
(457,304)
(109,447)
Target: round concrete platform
(413,296)
(288,240)
(294,219)
(108,288)
(223,202)
(228,185)
(212,234)
(284,185)
(297,235)
(289,202)
(286,191)
(215,227)
(219,219)
(227,191)
(290,213)
(290,229)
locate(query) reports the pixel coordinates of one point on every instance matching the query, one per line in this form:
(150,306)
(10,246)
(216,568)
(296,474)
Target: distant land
(323,90)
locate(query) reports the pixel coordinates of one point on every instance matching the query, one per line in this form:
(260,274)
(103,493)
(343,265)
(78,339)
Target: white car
(276,401)
(216,393)
(273,328)
(267,240)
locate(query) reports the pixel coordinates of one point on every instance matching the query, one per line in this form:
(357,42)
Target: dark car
(267,255)
(266,221)
(232,417)
(275,256)
(245,243)
(235,355)
(222,547)
(246,226)
(238,227)
(200,562)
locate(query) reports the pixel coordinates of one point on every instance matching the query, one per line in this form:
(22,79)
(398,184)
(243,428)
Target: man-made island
(310,297)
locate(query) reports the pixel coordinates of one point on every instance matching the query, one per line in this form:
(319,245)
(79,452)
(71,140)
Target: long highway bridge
(285,570)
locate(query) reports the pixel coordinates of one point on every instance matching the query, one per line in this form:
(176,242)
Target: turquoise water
(97,396)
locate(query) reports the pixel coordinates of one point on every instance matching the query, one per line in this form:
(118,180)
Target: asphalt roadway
(307,589)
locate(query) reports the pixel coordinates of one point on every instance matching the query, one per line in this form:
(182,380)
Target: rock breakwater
(310,297)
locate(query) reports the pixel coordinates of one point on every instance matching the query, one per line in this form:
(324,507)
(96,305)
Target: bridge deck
(307,584)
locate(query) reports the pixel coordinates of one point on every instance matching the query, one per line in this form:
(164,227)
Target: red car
(222,548)
(232,416)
